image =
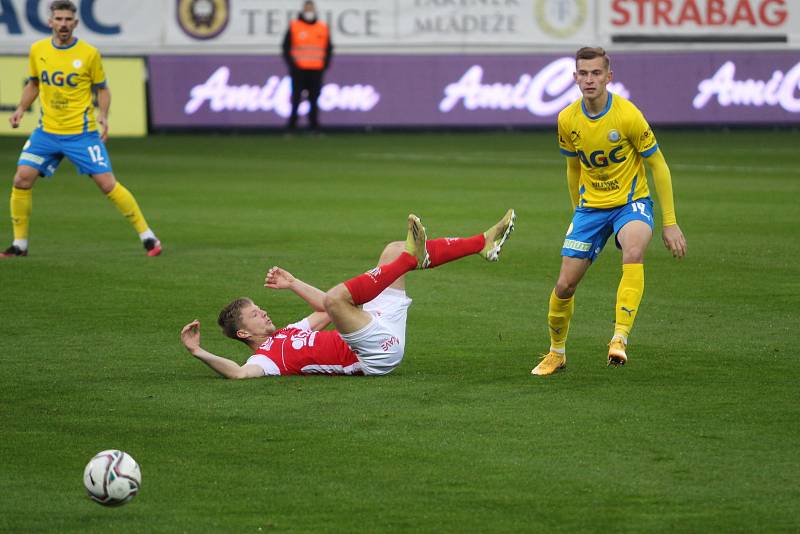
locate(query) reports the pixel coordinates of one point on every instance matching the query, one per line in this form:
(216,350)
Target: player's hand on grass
(278,278)
(674,240)
(190,336)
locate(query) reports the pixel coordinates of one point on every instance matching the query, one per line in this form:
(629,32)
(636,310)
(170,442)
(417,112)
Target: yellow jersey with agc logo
(611,146)
(66,76)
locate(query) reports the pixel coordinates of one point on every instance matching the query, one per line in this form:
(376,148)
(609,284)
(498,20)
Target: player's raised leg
(21,205)
(126,204)
(633,239)
(488,244)
(397,259)
(559,314)
(496,236)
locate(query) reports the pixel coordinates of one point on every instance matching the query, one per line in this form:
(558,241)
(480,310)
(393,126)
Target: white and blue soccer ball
(112,478)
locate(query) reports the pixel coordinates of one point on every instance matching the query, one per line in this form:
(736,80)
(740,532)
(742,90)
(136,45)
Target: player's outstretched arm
(190,337)
(278,278)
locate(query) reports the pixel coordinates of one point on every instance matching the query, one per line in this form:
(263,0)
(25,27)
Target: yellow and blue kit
(611,187)
(65,77)
(67,127)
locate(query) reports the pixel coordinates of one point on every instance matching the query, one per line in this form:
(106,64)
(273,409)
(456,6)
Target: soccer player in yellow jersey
(606,140)
(63,70)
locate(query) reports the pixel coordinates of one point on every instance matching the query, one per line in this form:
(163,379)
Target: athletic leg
(89,154)
(633,238)
(40,156)
(126,204)
(380,343)
(586,236)
(562,299)
(397,259)
(21,205)
(559,313)
(488,244)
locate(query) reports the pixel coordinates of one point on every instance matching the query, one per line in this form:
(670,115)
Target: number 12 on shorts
(96,154)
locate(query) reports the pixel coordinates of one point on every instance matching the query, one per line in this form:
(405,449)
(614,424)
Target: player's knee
(335,297)
(565,288)
(633,255)
(105,181)
(392,251)
(24,180)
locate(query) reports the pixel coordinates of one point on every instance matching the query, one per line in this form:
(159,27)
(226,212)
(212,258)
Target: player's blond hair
(591,52)
(62,5)
(230,318)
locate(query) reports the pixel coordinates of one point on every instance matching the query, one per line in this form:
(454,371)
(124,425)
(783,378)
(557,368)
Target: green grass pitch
(698,433)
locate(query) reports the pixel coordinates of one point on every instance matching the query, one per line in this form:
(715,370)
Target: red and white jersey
(298,350)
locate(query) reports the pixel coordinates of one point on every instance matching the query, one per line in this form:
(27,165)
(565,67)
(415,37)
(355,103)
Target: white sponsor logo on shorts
(577,245)
(32,157)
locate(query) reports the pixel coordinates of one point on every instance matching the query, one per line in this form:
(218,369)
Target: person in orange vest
(307,51)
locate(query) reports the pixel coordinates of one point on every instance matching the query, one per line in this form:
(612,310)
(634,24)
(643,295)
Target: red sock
(365,287)
(445,249)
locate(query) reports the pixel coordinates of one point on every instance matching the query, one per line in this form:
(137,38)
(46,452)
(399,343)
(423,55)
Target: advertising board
(477,90)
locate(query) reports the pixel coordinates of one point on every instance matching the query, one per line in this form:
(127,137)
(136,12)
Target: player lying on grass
(368,340)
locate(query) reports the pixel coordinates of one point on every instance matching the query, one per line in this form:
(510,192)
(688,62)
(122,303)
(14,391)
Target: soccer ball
(112,478)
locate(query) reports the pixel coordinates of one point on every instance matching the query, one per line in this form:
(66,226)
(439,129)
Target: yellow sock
(559,314)
(629,295)
(127,206)
(21,206)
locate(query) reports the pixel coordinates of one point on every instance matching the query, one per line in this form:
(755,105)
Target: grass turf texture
(699,432)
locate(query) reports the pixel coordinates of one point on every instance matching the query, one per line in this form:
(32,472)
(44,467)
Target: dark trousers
(309,81)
